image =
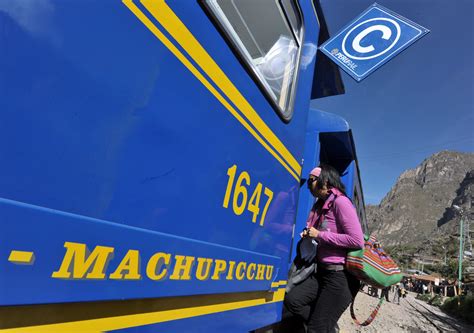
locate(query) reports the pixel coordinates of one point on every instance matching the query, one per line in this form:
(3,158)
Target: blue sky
(417,104)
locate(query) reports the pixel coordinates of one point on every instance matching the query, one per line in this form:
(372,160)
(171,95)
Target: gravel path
(410,316)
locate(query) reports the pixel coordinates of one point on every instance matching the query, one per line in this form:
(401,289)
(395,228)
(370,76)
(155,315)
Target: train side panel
(143,171)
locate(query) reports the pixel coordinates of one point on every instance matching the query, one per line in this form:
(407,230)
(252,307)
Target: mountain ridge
(418,207)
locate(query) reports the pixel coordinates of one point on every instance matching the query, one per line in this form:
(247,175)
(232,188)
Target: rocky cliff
(419,207)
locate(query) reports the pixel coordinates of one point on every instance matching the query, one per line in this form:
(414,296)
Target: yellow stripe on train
(180,308)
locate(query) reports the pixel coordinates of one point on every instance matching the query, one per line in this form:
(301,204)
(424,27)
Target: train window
(291,12)
(267,34)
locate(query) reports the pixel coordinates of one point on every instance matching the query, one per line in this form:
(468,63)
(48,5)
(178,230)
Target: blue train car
(151,154)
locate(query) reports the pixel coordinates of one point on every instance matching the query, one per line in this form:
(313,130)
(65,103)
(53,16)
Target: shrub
(435,300)
(465,310)
(423,297)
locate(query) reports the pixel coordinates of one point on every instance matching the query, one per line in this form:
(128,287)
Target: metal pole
(468,236)
(461,250)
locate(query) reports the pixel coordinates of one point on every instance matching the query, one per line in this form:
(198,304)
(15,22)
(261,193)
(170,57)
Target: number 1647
(240,195)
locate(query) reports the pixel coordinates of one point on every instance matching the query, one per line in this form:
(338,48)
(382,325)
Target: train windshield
(267,33)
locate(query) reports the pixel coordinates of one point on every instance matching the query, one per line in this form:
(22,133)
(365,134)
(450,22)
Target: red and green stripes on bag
(372,265)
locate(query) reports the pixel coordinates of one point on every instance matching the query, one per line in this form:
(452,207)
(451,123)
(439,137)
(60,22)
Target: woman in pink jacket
(321,299)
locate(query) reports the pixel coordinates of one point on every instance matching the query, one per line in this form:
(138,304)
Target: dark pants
(385,293)
(321,299)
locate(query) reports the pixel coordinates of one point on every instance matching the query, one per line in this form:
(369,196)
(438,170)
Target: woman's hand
(304,233)
(313,232)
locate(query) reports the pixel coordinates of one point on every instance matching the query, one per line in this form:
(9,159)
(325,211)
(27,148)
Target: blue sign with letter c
(371,40)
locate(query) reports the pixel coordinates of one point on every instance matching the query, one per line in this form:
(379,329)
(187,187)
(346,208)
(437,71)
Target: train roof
(321,121)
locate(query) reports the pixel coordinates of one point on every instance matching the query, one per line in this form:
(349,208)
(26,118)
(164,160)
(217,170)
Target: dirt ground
(410,316)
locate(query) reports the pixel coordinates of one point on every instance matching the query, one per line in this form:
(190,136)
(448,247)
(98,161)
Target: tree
(450,270)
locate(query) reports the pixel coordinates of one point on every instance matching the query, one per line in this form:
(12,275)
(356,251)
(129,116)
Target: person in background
(374,292)
(321,299)
(403,291)
(430,288)
(424,288)
(385,293)
(397,293)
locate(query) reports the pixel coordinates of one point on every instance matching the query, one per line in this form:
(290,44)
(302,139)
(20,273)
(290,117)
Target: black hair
(331,178)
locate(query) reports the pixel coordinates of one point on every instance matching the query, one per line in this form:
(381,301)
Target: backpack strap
(371,316)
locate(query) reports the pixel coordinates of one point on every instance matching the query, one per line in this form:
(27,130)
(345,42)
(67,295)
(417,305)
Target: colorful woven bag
(372,265)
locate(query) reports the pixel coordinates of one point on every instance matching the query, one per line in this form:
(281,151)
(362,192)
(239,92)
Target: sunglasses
(311,180)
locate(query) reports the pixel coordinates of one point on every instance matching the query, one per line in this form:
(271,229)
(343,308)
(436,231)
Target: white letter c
(386,33)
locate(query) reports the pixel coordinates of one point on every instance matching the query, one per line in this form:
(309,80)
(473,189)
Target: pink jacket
(339,228)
